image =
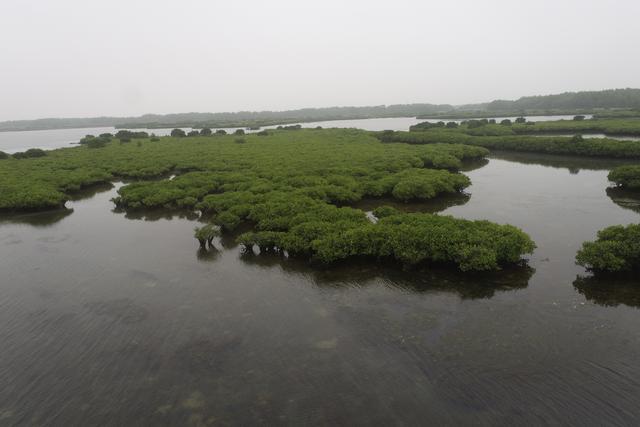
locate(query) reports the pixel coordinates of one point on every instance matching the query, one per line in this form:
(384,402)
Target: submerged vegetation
(617,249)
(293,188)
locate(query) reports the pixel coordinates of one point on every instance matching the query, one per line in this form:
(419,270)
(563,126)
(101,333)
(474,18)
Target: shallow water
(111,320)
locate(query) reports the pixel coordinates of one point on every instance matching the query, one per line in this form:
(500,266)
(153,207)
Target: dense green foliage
(3,155)
(290,187)
(627,177)
(593,147)
(206,234)
(127,134)
(93,141)
(617,249)
(336,165)
(606,126)
(322,165)
(30,153)
(486,127)
(337,234)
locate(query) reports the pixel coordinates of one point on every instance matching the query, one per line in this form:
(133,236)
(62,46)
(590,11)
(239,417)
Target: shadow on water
(473,164)
(36,219)
(571,163)
(208,254)
(609,291)
(90,191)
(437,204)
(156,214)
(50,217)
(624,198)
(416,280)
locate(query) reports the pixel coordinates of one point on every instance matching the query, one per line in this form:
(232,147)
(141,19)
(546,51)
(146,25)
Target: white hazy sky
(81,58)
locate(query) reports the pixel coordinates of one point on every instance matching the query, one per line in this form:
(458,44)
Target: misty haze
(335,213)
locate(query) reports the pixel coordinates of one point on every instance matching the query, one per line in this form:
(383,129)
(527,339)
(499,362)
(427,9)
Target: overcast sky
(79,58)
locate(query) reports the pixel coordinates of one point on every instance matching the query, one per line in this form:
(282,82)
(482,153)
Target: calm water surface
(113,320)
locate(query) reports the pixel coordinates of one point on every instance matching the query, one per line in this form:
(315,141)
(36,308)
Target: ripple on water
(123,310)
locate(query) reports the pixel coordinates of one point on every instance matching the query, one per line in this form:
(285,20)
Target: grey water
(117,319)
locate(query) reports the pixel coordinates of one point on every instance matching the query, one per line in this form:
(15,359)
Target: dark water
(109,320)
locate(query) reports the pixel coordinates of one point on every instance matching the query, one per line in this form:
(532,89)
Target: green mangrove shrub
(129,135)
(617,249)
(627,177)
(30,153)
(406,238)
(206,234)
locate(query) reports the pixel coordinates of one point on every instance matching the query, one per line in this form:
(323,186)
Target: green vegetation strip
(629,126)
(576,145)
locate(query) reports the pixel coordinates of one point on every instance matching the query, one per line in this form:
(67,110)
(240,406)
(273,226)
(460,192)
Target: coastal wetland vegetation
(315,250)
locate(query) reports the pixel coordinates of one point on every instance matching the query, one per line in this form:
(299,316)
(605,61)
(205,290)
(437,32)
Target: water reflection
(36,219)
(90,191)
(208,254)
(609,291)
(624,198)
(573,164)
(156,214)
(437,204)
(471,165)
(50,217)
(424,279)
